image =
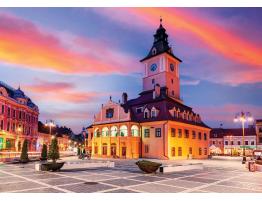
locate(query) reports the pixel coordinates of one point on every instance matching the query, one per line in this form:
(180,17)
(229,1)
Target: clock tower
(162,66)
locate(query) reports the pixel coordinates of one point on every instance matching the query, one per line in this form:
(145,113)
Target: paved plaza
(217,176)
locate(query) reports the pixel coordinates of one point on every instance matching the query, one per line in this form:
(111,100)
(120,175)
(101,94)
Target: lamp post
(230,137)
(50,124)
(243,117)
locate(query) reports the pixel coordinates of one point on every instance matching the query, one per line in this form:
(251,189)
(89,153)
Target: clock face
(153,67)
(172,67)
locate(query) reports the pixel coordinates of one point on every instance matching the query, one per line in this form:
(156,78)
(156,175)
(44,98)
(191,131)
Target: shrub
(24,154)
(53,153)
(44,152)
(148,166)
(78,151)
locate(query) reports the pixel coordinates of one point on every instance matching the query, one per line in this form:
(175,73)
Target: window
(246,142)
(113,131)
(205,136)
(252,143)
(158,132)
(193,134)
(134,131)
(186,133)
(147,132)
(146,148)
(190,151)
(139,110)
(205,151)
(179,133)
(238,143)
(8,112)
(123,131)
(105,132)
(172,81)
(214,142)
(110,113)
(226,142)
(154,51)
(153,81)
(153,112)
(260,139)
(2,125)
(8,126)
(179,151)
(146,114)
(232,142)
(173,93)
(173,151)
(3,109)
(173,132)
(199,136)
(200,151)
(260,130)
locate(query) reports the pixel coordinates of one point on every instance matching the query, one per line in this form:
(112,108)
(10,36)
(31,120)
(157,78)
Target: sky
(69,61)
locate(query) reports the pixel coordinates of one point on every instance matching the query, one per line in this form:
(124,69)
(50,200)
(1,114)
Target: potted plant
(24,154)
(148,166)
(44,153)
(53,154)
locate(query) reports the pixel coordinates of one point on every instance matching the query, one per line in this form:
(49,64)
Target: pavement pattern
(127,178)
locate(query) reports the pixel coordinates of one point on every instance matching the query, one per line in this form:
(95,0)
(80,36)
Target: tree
(84,151)
(44,152)
(24,154)
(78,151)
(54,150)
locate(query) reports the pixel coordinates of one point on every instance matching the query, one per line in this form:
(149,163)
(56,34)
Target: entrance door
(123,152)
(113,150)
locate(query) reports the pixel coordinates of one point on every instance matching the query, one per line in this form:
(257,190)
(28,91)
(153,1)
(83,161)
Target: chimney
(156,92)
(124,98)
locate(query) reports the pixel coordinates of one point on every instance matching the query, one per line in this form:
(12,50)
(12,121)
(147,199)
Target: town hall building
(157,124)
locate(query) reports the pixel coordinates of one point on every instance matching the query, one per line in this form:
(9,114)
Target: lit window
(190,150)
(199,136)
(193,134)
(186,133)
(200,151)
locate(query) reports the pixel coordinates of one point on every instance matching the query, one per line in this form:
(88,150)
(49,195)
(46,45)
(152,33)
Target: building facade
(45,138)
(259,133)
(18,119)
(230,141)
(157,124)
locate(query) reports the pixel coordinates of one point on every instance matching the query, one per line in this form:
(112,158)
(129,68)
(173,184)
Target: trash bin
(251,166)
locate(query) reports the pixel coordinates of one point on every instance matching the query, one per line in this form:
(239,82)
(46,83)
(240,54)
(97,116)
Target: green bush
(53,153)
(44,152)
(78,151)
(148,166)
(24,154)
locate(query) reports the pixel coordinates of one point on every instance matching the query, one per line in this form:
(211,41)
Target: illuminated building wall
(18,119)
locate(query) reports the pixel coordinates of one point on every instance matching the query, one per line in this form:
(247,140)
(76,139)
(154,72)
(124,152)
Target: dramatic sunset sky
(70,60)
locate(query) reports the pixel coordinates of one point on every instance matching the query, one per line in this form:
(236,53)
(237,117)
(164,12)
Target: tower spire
(161,20)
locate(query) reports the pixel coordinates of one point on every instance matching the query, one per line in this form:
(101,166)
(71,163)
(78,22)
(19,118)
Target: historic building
(18,119)
(229,141)
(157,124)
(259,133)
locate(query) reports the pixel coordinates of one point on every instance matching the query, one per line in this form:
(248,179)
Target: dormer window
(139,110)
(146,113)
(153,112)
(154,51)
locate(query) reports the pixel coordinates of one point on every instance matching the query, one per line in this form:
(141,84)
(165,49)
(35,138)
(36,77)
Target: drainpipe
(141,140)
(164,143)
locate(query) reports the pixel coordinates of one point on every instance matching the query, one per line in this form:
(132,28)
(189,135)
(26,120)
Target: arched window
(135,131)
(123,131)
(97,133)
(146,113)
(153,112)
(154,51)
(113,131)
(105,132)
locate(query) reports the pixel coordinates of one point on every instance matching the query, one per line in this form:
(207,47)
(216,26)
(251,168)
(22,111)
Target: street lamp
(50,124)
(243,117)
(230,137)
